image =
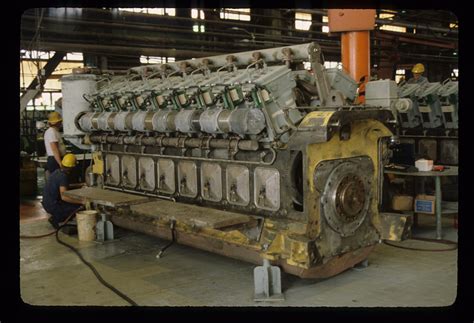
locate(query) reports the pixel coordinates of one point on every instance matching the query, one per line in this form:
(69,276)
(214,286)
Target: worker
(53,142)
(418,78)
(55,202)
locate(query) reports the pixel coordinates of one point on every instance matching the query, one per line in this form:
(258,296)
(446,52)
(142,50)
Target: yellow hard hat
(54,117)
(69,160)
(418,68)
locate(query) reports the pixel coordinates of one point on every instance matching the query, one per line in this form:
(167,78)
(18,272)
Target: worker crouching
(55,202)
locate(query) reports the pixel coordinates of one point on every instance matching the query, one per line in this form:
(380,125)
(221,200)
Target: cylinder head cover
(138,121)
(247,121)
(103,121)
(163,121)
(120,121)
(85,122)
(187,121)
(209,121)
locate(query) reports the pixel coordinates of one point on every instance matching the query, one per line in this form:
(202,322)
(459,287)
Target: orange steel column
(354,26)
(355,52)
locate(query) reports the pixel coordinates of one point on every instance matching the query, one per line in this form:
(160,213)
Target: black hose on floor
(96,273)
(52,232)
(91,267)
(173,239)
(446,242)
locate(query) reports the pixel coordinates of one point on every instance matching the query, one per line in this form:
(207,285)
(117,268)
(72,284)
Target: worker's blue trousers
(61,211)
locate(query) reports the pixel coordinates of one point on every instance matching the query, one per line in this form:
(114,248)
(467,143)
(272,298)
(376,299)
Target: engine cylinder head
(187,121)
(138,121)
(163,121)
(247,121)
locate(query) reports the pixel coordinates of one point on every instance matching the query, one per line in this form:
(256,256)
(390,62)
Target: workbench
(448,171)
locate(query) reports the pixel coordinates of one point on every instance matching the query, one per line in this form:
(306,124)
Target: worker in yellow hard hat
(418,77)
(53,142)
(55,202)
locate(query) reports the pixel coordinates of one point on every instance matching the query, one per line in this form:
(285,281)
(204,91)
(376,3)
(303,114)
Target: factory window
(152,59)
(44,102)
(29,70)
(55,96)
(74,57)
(333,64)
(235,14)
(152,11)
(155,59)
(35,54)
(393,28)
(325,29)
(302,20)
(399,75)
(195,13)
(40,55)
(199,28)
(327,64)
(198,14)
(388,16)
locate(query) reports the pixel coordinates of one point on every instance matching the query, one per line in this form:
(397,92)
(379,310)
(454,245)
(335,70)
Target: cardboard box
(402,203)
(425,204)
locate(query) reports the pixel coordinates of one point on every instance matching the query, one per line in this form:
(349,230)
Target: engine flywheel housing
(347,195)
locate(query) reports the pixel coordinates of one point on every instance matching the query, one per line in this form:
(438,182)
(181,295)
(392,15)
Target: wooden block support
(190,214)
(106,197)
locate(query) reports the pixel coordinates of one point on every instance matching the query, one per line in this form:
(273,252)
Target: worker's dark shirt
(51,194)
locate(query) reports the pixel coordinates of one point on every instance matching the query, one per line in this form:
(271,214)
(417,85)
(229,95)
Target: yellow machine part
(290,240)
(98,165)
(364,141)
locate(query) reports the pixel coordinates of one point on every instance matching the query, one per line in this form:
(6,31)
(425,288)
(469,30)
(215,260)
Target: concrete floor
(51,274)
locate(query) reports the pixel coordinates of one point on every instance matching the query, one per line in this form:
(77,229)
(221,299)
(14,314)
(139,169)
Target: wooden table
(448,171)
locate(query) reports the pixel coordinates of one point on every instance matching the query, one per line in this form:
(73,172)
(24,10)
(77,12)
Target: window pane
(152,11)
(386,16)
(302,16)
(74,56)
(393,28)
(156,11)
(400,72)
(302,24)
(235,14)
(171,11)
(154,59)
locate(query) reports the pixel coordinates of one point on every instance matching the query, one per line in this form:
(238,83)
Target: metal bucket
(86,221)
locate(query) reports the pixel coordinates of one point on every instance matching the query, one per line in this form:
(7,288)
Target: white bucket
(86,221)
